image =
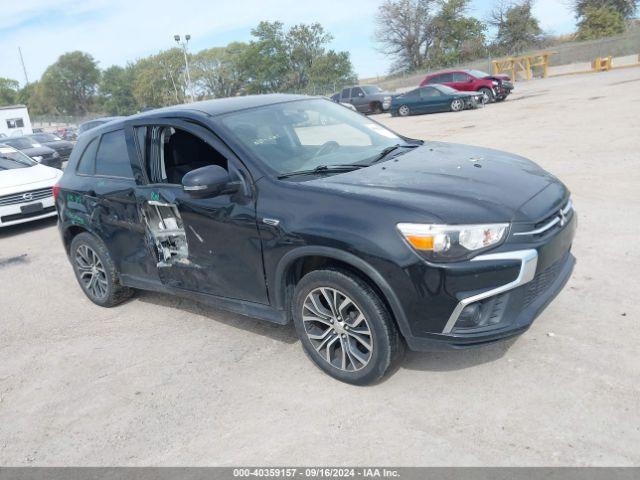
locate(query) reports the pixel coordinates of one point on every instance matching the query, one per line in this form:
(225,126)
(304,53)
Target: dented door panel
(206,245)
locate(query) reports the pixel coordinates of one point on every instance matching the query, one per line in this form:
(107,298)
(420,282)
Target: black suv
(292,208)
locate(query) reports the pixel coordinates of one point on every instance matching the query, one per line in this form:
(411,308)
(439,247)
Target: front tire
(344,327)
(487,95)
(404,111)
(96,272)
(457,105)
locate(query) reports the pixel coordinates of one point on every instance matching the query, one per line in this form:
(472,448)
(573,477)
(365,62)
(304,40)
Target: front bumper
(27,211)
(532,276)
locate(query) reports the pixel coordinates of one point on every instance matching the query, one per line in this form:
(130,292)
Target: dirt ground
(163,381)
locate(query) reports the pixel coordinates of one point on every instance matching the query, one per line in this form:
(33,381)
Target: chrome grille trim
(26,197)
(558,218)
(528,264)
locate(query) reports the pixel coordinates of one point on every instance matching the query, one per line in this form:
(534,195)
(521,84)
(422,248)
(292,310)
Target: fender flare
(333,253)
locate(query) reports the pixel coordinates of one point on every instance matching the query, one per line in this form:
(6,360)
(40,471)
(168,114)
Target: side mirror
(361,94)
(209,181)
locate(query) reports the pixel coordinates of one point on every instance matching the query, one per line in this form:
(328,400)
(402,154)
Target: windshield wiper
(323,169)
(385,153)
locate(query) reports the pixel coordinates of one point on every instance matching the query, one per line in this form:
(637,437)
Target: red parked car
(494,88)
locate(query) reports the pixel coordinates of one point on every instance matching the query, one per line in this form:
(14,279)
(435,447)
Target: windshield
(303,135)
(478,73)
(371,89)
(446,89)
(21,142)
(45,137)
(11,158)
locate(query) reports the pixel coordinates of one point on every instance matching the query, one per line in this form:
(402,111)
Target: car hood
(35,151)
(59,145)
(454,184)
(15,180)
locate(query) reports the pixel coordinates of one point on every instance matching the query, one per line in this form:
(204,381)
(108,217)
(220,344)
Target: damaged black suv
(295,209)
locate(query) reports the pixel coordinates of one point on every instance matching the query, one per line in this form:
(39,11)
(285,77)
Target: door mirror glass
(209,181)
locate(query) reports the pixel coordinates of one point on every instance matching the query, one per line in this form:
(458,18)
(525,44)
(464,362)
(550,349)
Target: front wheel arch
(289,271)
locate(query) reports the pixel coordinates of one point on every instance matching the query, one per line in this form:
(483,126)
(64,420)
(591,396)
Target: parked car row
(45,148)
(452,90)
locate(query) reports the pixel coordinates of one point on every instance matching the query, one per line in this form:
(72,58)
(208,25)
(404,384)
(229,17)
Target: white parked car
(26,188)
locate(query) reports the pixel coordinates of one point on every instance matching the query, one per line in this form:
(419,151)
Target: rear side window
(442,78)
(460,77)
(86,165)
(112,159)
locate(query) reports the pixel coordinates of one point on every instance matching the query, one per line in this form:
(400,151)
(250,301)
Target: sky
(118,31)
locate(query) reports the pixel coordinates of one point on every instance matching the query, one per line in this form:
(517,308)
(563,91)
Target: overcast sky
(118,31)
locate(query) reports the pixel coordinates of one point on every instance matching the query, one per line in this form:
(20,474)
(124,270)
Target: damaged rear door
(207,245)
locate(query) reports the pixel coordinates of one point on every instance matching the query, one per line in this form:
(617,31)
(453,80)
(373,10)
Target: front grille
(20,216)
(541,282)
(25,197)
(552,223)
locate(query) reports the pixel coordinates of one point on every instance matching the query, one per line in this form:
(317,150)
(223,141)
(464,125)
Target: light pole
(186,62)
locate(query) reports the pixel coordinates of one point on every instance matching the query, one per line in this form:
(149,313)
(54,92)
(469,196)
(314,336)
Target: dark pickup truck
(366,98)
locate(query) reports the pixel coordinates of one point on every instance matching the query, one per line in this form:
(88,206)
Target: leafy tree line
(275,60)
(421,34)
(416,34)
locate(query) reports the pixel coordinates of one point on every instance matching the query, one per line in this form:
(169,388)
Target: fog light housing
(470,316)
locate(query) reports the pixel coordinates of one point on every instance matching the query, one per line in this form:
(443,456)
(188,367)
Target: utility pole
(186,62)
(24,69)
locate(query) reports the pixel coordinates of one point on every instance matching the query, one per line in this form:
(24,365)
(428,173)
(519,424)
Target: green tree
(456,36)
(278,60)
(306,45)
(599,22)
(160,79)
(71,83)
(331,70)
(8,91)
(33,96)
(626,8)
(518,29)
(116,90)
(217,72)
(404,31)
(265,62)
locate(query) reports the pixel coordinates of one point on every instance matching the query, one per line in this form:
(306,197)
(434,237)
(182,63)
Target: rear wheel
(96,272)
(404,111)
(344,326)
(457,105)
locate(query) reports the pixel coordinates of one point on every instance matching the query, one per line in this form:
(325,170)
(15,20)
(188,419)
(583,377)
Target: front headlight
(452,242)
(495,83)
(37,158)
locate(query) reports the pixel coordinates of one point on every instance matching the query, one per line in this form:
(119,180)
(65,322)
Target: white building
(14,121)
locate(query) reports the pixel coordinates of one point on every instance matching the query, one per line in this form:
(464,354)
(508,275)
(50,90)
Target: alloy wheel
(91,271)
(457,105)
(403,111)
(337,329)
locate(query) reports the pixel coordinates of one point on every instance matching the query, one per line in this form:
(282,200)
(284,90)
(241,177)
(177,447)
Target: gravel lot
(163,381)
